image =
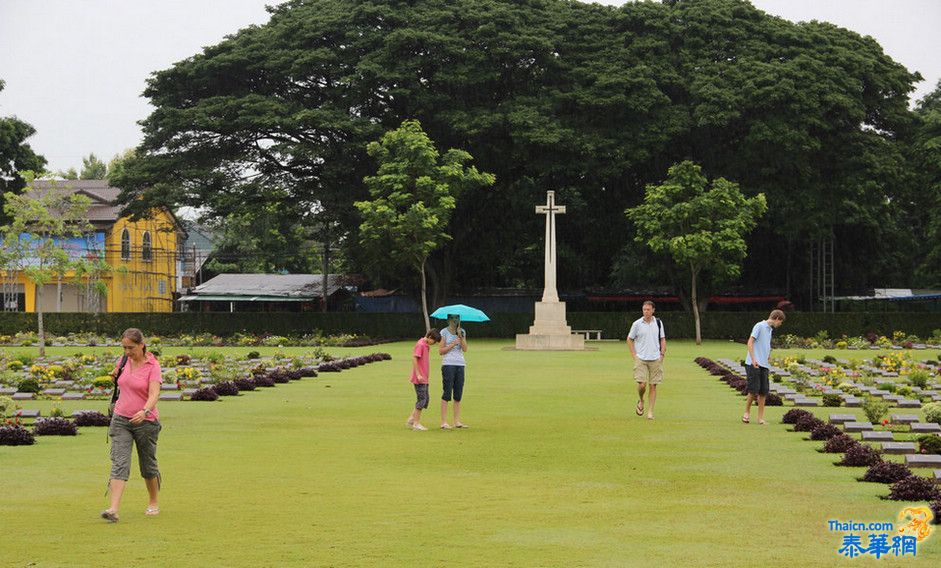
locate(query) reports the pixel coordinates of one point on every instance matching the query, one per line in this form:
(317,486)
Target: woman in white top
(452,349)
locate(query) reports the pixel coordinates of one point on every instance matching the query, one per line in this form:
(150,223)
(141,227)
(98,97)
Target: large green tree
(413,193)
(592,101)
(16,155)
(701,226)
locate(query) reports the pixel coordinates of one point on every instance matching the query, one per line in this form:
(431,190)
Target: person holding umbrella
(452,349)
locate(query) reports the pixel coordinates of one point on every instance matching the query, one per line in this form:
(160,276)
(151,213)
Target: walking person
(421,363)
(756,364)
(648,346)
(135,422)
(452,349)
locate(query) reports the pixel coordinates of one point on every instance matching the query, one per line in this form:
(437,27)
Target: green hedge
(615,325)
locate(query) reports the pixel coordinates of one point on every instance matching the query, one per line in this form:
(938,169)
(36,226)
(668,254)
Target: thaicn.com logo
(883,539)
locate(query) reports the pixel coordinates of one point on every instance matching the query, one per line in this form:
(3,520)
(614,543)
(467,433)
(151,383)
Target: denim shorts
(123,435)
(452,382)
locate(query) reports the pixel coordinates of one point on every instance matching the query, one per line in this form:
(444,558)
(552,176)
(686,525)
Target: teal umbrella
(467,313)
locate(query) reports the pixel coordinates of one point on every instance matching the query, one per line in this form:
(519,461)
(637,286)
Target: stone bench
(23,396)
(7,391)
(805,402)
(169,387)
(881,436)
(923,460)
(587,333)
(925,427)
(54,392)
(171,396)
(24,413)
(909,403)
(852,402)
(899,448)
(857,426)
(73,396)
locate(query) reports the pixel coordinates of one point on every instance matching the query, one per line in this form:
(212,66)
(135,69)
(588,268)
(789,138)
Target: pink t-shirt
(134,387)
(421,352)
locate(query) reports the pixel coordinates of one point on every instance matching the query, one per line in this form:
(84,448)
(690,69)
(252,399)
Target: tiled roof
(103,207)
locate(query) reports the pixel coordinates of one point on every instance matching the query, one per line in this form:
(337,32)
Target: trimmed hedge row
(715,325)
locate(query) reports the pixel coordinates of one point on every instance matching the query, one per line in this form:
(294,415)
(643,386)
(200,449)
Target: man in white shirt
(648,346)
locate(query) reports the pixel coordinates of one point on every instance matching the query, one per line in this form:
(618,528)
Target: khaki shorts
(650,372)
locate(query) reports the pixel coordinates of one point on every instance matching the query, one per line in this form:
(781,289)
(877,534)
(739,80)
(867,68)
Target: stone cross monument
(549,331)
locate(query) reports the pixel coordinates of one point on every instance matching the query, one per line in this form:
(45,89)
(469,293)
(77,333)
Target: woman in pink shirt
(135,421)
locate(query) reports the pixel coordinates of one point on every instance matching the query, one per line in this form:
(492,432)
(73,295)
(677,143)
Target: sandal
(152,511)
(109,516)
(461,425)
(639,409)
(445,426)
(762,422)
(745,419)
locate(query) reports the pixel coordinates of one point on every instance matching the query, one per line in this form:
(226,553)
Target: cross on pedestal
(550,210)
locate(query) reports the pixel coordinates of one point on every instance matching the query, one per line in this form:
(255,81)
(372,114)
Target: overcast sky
(75,70)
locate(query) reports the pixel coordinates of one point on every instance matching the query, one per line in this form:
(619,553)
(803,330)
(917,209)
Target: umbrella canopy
(467,313)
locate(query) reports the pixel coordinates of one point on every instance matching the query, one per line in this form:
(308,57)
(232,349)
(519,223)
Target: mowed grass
(556,470)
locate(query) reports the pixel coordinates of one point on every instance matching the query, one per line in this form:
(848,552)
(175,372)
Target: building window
(147,250)
(162,287)
(125,245)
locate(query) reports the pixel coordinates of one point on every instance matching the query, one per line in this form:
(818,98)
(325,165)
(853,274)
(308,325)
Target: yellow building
(142,255)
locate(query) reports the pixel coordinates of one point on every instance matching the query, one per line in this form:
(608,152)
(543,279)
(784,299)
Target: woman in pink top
(135,421)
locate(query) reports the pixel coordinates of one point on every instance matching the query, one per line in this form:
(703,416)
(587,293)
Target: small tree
(40,222)
(413,195)
(701,227)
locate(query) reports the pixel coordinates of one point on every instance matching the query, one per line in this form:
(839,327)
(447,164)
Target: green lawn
(556,470)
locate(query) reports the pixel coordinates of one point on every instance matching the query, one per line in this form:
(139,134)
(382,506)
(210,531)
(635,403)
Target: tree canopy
(592,101)
(16,156)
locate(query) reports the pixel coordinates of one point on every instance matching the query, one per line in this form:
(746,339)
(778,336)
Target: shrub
(839,444)
(904,391)
(772,399)
(832,400)
(264,381)
(226,388)
(808,423)
(7,405)
(891,387)
(875,409)
(16,435)
(914,488)
(216,357)
(91,418)
(253,355)
(205,394)
(54,427)
(929,444)
(28,385)
(932,412)
(825,432)
(936,509)
(919,378)
(887,472)
(793,415)
(103,382)
(183,359)
(246,384)
(860,455)
(829,359)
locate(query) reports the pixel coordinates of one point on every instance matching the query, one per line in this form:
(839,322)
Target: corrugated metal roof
(273,285)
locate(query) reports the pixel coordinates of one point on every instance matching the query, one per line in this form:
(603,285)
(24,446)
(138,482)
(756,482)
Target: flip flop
(445,426)
(746,419)
(152,511)
(639,409)
(762,422)
(109,516)
(462,425)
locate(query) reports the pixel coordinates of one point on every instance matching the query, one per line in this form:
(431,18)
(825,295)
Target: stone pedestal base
(549,331)
(530,342)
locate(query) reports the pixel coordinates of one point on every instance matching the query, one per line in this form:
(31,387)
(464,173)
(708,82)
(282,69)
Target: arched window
(125,245)
(147,251)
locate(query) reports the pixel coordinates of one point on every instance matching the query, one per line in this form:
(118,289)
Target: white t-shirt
(646,338)
(454,356)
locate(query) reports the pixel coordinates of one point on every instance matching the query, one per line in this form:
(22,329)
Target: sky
(76,70)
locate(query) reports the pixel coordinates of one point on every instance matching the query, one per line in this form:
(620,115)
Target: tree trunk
(58,294)
(42,332)
(695,303)
(424,297)
(326,270)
